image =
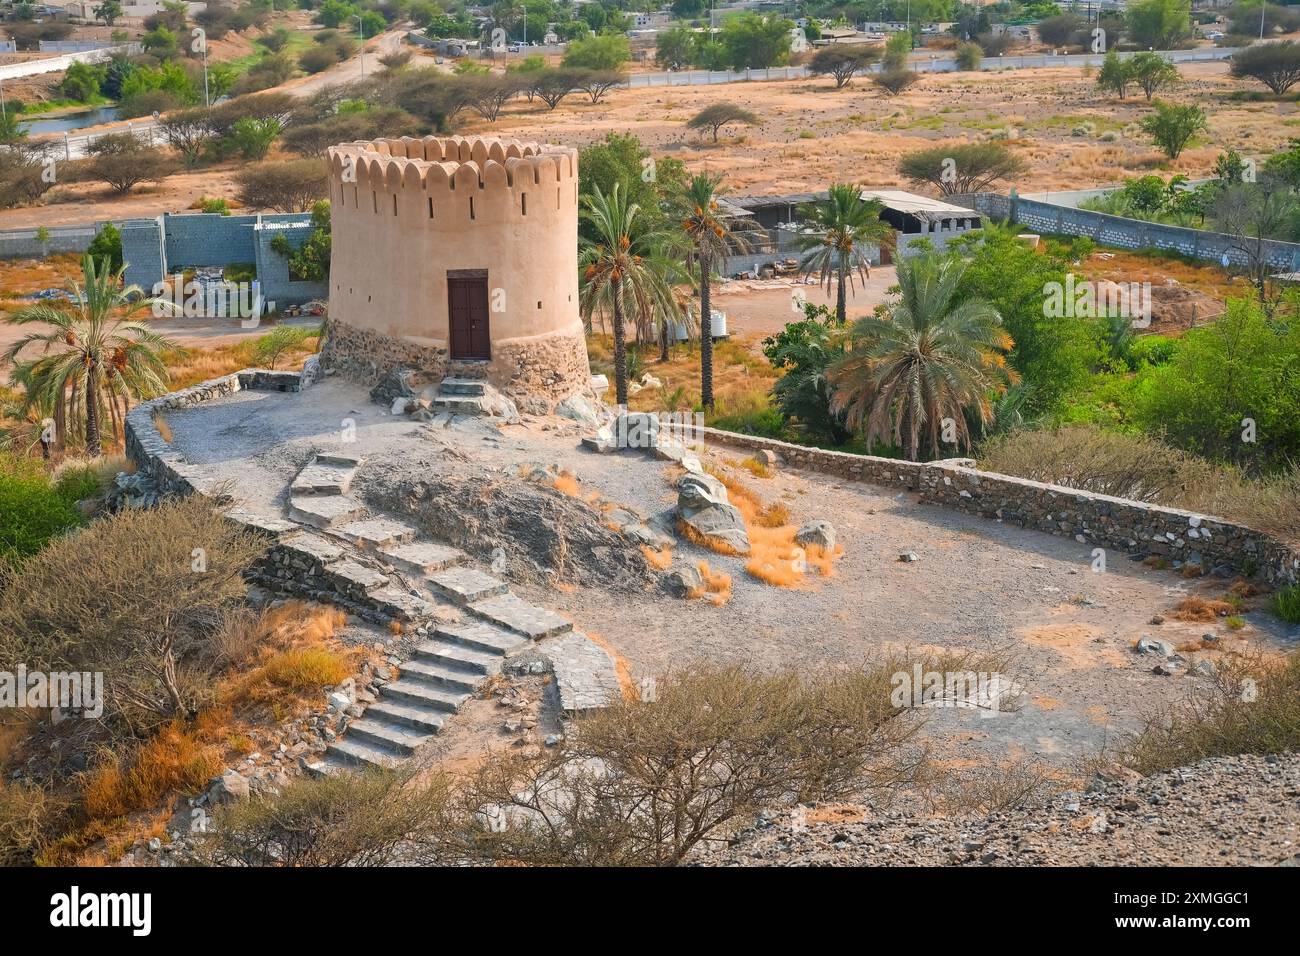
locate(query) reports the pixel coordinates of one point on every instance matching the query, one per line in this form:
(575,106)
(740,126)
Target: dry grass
(567,484)
(190,366)
(174,759)
(622,670)
(164,429)
(717,584)
(1196,609)
(660,560)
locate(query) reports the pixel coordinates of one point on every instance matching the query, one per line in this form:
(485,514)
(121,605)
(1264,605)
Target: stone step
(359,753)
(324,478)
(466,585)
(461,386)
(481,635)
(325,511)
(513,613)
(421,557)
(403,605)
(339,458)
(414,692)
(355,580)
(395,712)
(468,659)
(375,533)
(462,404)
(396,737)
(440,675)
(312,548)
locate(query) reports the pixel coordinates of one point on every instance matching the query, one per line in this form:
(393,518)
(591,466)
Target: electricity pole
(361,30)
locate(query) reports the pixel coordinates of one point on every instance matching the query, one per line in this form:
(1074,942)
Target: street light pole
(207,101)
(361,30)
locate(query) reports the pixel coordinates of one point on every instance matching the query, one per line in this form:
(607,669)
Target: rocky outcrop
(702,507)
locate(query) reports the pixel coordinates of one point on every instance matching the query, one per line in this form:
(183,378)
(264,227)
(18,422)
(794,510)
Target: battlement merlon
(452,163)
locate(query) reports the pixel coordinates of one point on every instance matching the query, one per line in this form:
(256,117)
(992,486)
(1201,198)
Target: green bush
(107,243)
(32,510)
(1286,604)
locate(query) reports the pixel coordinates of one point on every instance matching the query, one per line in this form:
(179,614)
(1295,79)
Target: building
(457,256)
(922,218)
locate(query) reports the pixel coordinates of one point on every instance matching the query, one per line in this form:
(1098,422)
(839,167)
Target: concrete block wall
(273,269)
(24,244)
(142,252)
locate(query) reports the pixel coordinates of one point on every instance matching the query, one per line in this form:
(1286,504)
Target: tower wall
(406,212)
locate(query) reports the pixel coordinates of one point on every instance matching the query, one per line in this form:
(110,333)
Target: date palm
(709,240)
(915,368)
(95,354)
(624,273)
(838,235)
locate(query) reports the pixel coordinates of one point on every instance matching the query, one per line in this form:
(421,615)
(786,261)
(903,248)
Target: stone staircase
(380,567)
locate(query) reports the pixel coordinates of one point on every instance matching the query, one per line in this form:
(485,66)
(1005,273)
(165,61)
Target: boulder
(230,787)
(311,372)
(699,489)
(578,408)
(703,507)
(636,430)
(682,581)
(1150,645)
(820,533)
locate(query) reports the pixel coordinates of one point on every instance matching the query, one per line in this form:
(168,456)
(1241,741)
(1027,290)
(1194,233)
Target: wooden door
(467,309)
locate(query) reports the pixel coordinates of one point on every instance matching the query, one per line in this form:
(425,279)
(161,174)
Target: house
(916,218)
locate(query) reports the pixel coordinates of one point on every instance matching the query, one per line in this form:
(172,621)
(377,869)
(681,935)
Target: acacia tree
(842,61)
(1114,75)
(623,272)
(839,231)
(1276,65)
(722,114)
(962,167)
(927,358)
(1152,72)
(95,351)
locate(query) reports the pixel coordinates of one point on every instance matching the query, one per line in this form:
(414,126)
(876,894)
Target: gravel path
(1226,811)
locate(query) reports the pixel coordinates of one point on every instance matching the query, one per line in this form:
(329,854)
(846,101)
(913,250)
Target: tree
(622,272)
(552,86)
(803,351)
(253,137)
(835,241)
(189,132)
(675,48)
(709,239)
(894,82)
(123,161)
(1276,65)
(722,114)
(488,95)
(108,11)
(962,167)
(1173,126)
(311,260)
(596,83)
(95,353)
(82,81)
(923,361)
(1114,75)
(1254,214)
(969,56)
(756,42)
(1152,72)
(1061,29)
(605,52)
(1158,24)
(842,61)
(294,186)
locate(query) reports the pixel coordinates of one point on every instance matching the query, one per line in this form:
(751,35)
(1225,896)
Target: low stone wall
(1091,519)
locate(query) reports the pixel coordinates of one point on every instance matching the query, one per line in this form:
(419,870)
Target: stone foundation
(535,373)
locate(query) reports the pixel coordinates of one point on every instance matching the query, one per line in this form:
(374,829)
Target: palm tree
(623,272)
(93,352)
(840,230)
(709,240)
(923,359)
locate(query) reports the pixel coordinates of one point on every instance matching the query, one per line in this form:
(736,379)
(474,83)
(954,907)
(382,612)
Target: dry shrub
(644,782)
(172,760)
(1196,609)
(164,429)
(775,515)
(305,668)
(622,670)
(1145,469)
(353,819)
(660,560)
(717,584)
(567,484)
(1252,706)
(757,467)
(1243,588)
(125,597)
(993,788)
(290,652)
(28,817)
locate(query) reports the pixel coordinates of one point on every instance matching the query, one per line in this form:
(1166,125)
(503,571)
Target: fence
(53,64)
(934,64)
(1124,233)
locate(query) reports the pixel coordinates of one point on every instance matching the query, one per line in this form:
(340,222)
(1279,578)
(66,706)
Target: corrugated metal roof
(921,206)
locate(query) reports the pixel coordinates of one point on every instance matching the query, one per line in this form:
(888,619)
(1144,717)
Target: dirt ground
(978,585)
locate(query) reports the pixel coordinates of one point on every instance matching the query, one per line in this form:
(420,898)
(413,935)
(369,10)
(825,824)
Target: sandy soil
(978,585)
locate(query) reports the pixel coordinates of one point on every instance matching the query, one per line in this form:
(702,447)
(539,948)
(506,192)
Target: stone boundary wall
(1092,519)
(1123,233)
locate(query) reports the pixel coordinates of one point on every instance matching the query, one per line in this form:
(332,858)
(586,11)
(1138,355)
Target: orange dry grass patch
(567,484)
(717,584)
(164,429)
(1243,588)
(172,760)
(295,654)
(622,669)
(660,560)
(1195,609)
